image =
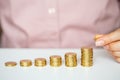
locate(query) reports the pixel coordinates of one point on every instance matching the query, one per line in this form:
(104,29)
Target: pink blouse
(56,23)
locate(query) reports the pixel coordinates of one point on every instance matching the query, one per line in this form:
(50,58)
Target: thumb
(108,38)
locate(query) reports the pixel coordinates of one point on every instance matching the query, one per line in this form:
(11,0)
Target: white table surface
(104,67)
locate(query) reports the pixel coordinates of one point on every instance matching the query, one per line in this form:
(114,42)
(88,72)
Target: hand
(111,42)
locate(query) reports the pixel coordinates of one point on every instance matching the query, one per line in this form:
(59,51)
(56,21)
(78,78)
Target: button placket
(51,10)
(53,17)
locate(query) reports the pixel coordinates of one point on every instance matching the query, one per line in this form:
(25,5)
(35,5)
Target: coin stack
(26,63)
(71,59)
(86,57)
(40,62)
(10,64)
(55,61)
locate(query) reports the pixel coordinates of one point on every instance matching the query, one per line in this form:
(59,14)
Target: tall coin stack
(86,57)
(55,61)
(71,59)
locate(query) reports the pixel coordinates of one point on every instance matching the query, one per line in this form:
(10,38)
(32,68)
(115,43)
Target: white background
(104,67)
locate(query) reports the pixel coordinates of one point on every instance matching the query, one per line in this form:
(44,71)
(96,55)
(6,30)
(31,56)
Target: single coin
(97,36)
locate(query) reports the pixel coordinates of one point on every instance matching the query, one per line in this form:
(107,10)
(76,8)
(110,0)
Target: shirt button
(51,10)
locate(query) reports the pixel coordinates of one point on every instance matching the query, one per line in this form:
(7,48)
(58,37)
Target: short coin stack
(40,62)
(71,59)
(10,64)
(55,61)
(86,57)
(25,63)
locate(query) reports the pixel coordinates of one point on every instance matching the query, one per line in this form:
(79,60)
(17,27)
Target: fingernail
(99,43)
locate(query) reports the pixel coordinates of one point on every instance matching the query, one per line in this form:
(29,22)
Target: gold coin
(40,62)
(55,61)
(97,36)
(25,63)
(10,64)
(86,57)
(71,59)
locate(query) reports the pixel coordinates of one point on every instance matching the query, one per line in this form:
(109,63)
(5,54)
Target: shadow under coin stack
(86,57)
(55,61)
(71,59)
(40,62)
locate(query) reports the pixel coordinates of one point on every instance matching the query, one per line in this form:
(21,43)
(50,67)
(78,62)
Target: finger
(108,38)
(115,46)
(118,60)
(115,54)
